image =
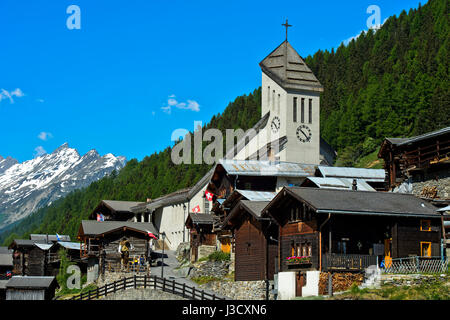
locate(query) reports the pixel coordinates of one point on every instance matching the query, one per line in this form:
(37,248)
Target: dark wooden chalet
(254,245)
(350,230)
(115,210)
(34,258)
(200,226)
(31,288)
(106,235)
(424,157)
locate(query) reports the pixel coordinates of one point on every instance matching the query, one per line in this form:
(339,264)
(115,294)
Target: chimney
(354,185)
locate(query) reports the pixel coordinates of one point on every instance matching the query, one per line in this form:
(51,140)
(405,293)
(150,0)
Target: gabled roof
(96,228)
(25,243)
(254,208)
(121,206)
(201,218)
(359,202)
(370,175)
(30,282)
(285,66)
(50,237)
(338,183)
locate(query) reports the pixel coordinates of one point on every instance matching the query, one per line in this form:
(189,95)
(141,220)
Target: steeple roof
(285,66)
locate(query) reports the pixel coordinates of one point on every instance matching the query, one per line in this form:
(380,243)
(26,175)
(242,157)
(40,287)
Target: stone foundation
(240,290)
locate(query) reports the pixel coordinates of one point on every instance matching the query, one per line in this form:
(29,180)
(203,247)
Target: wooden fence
(347,262)
(151,282)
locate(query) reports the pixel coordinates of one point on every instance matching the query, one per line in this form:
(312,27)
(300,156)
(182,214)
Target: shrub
(219,256)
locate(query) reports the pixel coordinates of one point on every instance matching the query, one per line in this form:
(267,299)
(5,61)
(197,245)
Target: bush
(219,256)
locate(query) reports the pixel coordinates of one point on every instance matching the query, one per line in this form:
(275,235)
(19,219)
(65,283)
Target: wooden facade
(201,233)
(348,241)
(416,157)
(30,260)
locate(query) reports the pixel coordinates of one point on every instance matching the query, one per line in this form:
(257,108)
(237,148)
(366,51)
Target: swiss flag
(208,195)
(196,209)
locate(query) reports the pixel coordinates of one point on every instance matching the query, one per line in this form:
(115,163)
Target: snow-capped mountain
(28,186)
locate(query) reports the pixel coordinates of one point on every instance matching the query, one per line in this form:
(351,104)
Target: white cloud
(39,151)
(44,136)
(375,29)
(172,102)
(4,94)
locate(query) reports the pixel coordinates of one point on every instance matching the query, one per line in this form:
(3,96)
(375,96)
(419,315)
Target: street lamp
(162,262)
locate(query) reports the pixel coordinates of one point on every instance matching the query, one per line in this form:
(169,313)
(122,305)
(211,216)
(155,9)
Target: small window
(310,111)
(294,111)
(425,249)
(302,111)
(425,225)
(206,206)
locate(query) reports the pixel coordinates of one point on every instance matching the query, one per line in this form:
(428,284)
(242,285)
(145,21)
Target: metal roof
(257,195)
(363,202)
(44,246)
(267,168)
(92,227)
(447,208)
(51,237)
(70,245)
(31,282)
(371,175)
(340,183)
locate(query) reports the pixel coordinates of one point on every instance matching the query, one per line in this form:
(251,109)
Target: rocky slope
(28,186)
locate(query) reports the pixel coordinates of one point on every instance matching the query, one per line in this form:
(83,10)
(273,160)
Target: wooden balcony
(347,262)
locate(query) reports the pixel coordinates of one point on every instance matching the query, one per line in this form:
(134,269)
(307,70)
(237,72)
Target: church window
(273,100)
(302,115)
(310,111)
(295,109)
(279,98)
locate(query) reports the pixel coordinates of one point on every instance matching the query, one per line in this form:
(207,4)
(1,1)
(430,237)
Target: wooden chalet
(31,288)
(338,230)
(201,232)
(420,158)
(105,236)
(34,258)
(115,210)
(255,248)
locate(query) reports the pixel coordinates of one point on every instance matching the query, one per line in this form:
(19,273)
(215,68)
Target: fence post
(106,290)
(164,284)
(97,293)
(173,286)
(135,281)
(203,295)
(145,281)
(154,279)
(193,293)
(115,283)
(124,283)
(184,289)
(417,264)
(214,296)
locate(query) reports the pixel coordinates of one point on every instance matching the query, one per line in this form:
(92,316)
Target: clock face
(275,125)
(304,133)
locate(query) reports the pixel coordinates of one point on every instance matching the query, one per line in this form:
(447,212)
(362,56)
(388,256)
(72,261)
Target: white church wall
(170,220)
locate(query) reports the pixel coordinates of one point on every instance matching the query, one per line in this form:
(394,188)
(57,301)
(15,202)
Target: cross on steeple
(286,25)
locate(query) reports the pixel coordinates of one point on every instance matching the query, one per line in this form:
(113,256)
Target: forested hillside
(393,82)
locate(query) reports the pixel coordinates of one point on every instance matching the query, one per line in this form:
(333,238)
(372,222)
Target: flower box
(298,260)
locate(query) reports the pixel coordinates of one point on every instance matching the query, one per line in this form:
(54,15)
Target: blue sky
(107,86)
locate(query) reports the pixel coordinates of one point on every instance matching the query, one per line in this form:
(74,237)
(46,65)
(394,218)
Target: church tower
(291,93)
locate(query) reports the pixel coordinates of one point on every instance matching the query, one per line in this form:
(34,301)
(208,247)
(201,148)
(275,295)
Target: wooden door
(299,284)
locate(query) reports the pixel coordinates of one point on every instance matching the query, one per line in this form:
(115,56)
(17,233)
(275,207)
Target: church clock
(304,133)
(275,125)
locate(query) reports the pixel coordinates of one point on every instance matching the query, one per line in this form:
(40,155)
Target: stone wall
(142,294)
(440,180)
(217,269)
(411,279)
(240,290)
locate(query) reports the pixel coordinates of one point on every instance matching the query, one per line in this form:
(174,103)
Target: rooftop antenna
(286,25)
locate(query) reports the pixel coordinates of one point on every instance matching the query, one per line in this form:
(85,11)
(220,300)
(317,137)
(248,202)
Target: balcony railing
(347,262)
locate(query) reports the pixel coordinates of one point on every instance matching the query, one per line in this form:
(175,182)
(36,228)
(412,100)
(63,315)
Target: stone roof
(286,67)
(30,282)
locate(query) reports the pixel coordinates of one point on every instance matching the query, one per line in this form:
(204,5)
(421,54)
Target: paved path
(170,263)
